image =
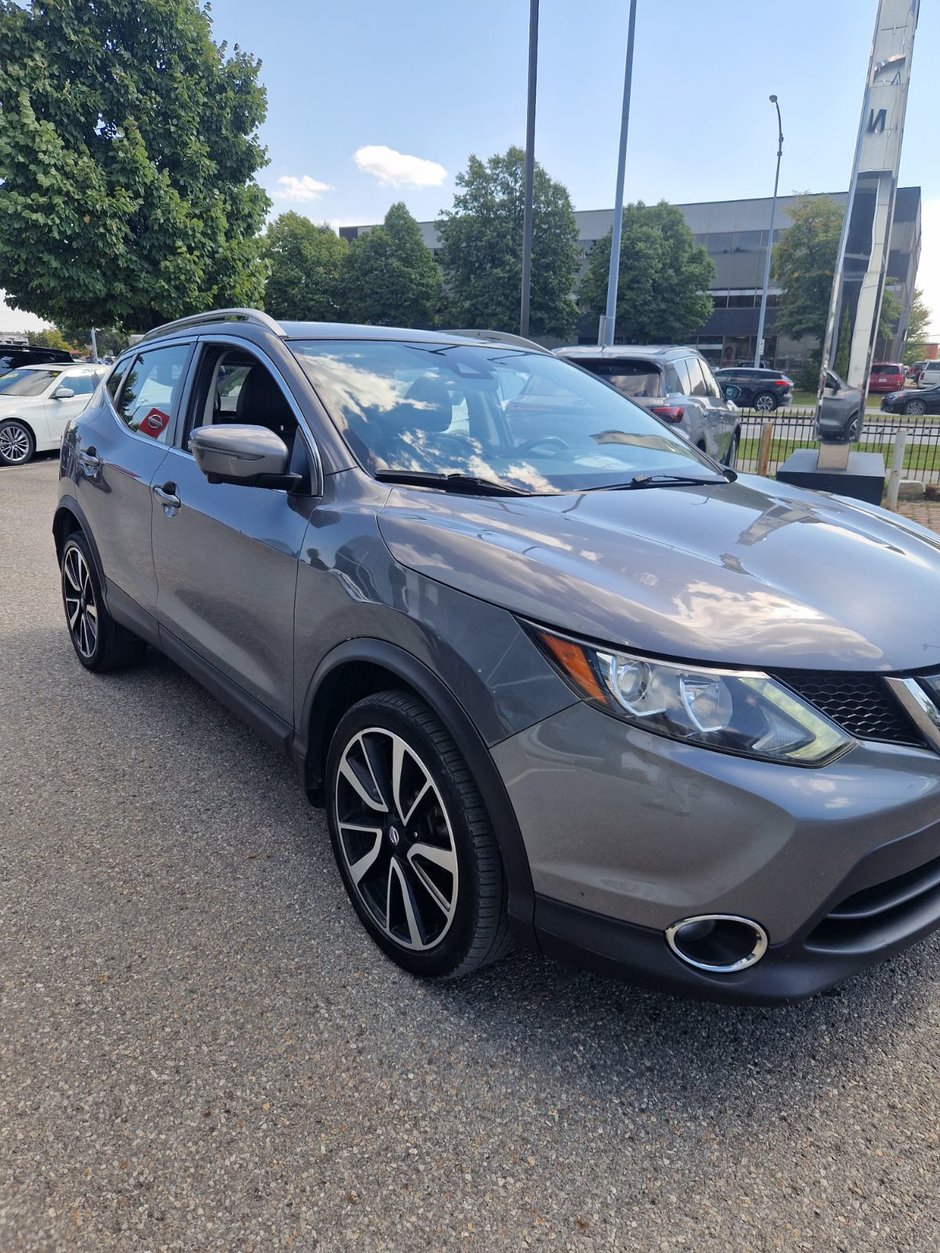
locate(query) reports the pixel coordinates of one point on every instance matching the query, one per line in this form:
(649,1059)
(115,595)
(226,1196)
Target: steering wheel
(554,441)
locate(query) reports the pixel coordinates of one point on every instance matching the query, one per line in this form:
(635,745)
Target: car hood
(749,573)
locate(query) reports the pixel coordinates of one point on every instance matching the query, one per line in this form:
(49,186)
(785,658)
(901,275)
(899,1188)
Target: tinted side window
(697,383)
(151,394)
(116,377)
(81,384)
(682,373)
(711,386)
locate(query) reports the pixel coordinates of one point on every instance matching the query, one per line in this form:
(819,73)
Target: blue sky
(439,79)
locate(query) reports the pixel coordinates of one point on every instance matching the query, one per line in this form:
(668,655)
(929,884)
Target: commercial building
(734,232)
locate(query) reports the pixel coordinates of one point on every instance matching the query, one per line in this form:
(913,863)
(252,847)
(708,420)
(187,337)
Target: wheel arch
(362,667)
(69,517)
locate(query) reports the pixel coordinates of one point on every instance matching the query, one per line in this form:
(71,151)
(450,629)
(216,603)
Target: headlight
(734,711)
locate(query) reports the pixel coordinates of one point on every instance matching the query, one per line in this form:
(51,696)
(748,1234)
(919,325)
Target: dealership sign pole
(859,277)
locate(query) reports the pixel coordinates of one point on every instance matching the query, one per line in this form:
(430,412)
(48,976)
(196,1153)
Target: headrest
(427,407)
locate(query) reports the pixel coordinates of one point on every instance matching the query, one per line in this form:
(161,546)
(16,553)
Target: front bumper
(627,832)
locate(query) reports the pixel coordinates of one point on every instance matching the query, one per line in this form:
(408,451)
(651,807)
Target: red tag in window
(154,423)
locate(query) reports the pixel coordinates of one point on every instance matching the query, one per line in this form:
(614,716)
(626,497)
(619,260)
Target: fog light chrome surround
(691,939)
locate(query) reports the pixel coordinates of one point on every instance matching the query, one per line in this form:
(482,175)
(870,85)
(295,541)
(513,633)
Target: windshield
(25,382)
(523,419)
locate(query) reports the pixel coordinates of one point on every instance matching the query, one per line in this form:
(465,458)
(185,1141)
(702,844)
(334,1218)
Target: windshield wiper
(665,480)
(468,484)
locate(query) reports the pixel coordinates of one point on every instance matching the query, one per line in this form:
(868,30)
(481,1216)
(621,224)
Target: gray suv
(556,675)
(677,385)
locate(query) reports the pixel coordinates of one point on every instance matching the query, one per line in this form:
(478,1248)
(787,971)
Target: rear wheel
(17,443)
(412,839)
(764,402)
(855,429)
(100,643)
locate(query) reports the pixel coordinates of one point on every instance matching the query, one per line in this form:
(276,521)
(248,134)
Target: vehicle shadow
(650,1051)
(628,1049)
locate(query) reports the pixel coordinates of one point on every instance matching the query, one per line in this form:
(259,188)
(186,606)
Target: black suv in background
(763,390)
(14,355)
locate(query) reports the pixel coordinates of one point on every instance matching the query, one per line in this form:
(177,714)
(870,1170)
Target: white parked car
(36,403)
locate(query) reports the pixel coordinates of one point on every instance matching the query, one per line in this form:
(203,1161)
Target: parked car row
(36,403)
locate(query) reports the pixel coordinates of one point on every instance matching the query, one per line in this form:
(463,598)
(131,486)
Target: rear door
(718,419)
(120,446)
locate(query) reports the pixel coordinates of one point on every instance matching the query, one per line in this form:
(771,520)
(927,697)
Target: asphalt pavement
(200,1049)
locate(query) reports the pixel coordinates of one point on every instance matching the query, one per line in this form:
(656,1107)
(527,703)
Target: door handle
(167,495)
(89,460)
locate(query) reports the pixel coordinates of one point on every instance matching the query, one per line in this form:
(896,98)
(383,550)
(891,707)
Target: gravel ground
(200,1049)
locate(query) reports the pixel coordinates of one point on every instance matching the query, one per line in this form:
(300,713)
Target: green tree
(128,148)
(662,288)
(51,337)
(110,340)
(803,264)
(305,261)
(918,325)
(481,249)
(389,276)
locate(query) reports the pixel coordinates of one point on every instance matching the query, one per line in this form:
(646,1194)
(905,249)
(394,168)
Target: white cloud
(290,187)
(397,169)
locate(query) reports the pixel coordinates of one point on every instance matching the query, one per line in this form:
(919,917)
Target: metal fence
(797,429)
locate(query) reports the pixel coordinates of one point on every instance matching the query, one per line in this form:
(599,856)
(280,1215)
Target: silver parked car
(677,384)
(555,674)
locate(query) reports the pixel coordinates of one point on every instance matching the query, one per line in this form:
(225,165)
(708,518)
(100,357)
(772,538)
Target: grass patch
(920,457)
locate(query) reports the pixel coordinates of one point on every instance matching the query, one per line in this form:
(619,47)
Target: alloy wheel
(15,443)
(396,839)
(764,403)
(81,609)
(915,408)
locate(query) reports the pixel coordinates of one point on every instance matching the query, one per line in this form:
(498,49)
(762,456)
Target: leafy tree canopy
(918,326)
(803,264)
(52,337)
(127,153)
(481,248)
(664,276)
(304,260)
(389,276)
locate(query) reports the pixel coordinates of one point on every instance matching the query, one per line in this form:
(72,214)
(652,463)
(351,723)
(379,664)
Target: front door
(226,555)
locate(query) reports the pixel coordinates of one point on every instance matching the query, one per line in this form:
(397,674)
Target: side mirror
(731,391)
(63,393)
(251,456)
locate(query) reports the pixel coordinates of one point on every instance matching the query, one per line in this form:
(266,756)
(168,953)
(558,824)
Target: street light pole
(605,330)
(527,204)
(770,240)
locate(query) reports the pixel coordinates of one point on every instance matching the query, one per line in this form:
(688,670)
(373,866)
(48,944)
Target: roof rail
(254,316)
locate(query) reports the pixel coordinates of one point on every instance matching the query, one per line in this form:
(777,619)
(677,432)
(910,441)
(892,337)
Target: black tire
(100,643)
(855,429)
(437,916)
(764,402)
(915,408)
(17,443)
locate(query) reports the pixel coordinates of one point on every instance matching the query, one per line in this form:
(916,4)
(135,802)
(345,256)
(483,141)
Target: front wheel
(915,408)
(764,402)
(412,839)
(17,443)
